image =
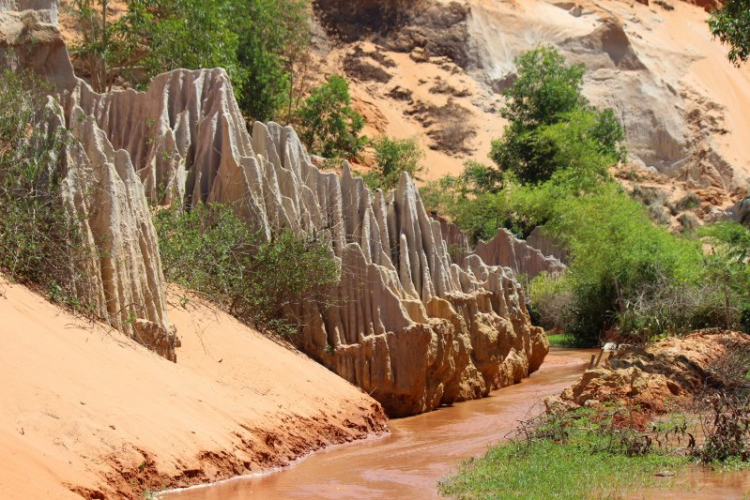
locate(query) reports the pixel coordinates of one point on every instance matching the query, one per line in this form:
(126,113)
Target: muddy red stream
(418,453)
(421,450)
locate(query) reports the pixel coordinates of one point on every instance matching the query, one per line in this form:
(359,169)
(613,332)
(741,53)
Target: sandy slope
(685,107)
(82,408)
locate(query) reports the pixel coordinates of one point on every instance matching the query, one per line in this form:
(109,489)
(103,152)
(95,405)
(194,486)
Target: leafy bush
(731,24)
(616,253)
(39,244)
(210,250)
(394,156)
(326,122)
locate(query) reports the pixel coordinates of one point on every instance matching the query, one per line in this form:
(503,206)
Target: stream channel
(421,450)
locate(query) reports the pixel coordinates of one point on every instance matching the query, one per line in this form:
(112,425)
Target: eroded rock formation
(508,251)
(414,329)
(102,192)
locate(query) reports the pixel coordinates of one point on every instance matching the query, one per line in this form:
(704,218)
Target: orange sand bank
(85,410)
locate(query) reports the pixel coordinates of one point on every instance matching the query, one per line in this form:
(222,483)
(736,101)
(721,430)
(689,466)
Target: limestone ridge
(101,191)
(413,329)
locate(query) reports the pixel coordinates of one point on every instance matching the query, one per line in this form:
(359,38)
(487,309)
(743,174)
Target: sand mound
(670,372)
(87,410)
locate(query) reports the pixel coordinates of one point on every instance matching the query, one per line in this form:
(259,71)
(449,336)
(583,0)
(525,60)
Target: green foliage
(210,250)
(327,124)
(546,89)
(260,43)
(731,24)
(394,156)
(728,270)
(106,46)
(616,255)
(186,34)
(273,38)
(574,455)
(551,126)
(482,200)
(39,244)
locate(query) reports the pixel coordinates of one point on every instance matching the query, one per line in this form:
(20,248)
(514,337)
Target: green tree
(394,156)
(262,44)
(731,24)
(274,42)
(546,89)
(107,47)
(326,122)
(186,34)
(551,125)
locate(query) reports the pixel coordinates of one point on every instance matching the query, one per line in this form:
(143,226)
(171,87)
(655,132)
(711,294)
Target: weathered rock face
(413,329)
(508,251)
(548,245)
(102,191)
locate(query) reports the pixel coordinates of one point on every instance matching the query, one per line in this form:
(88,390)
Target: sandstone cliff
(414,329)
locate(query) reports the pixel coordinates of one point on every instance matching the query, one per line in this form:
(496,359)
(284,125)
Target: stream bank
(419,452)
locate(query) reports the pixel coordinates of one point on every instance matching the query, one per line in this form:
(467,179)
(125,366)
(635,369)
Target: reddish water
(422,450)
(419,452)
(701,484)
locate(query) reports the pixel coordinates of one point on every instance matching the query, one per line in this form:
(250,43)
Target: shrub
(326,122)
(615,252)
(39,244)
(210,250)
(551,298)
(394,156)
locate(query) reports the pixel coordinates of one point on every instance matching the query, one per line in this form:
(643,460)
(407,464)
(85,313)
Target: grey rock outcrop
(548,245)
(508,251)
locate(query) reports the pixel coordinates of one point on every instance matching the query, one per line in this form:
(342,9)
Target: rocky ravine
(414,329)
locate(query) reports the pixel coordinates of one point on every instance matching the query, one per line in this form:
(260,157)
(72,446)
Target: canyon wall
(414,329)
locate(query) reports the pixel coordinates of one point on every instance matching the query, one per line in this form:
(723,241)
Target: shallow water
(701,484)
(422,450)
(419,452)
